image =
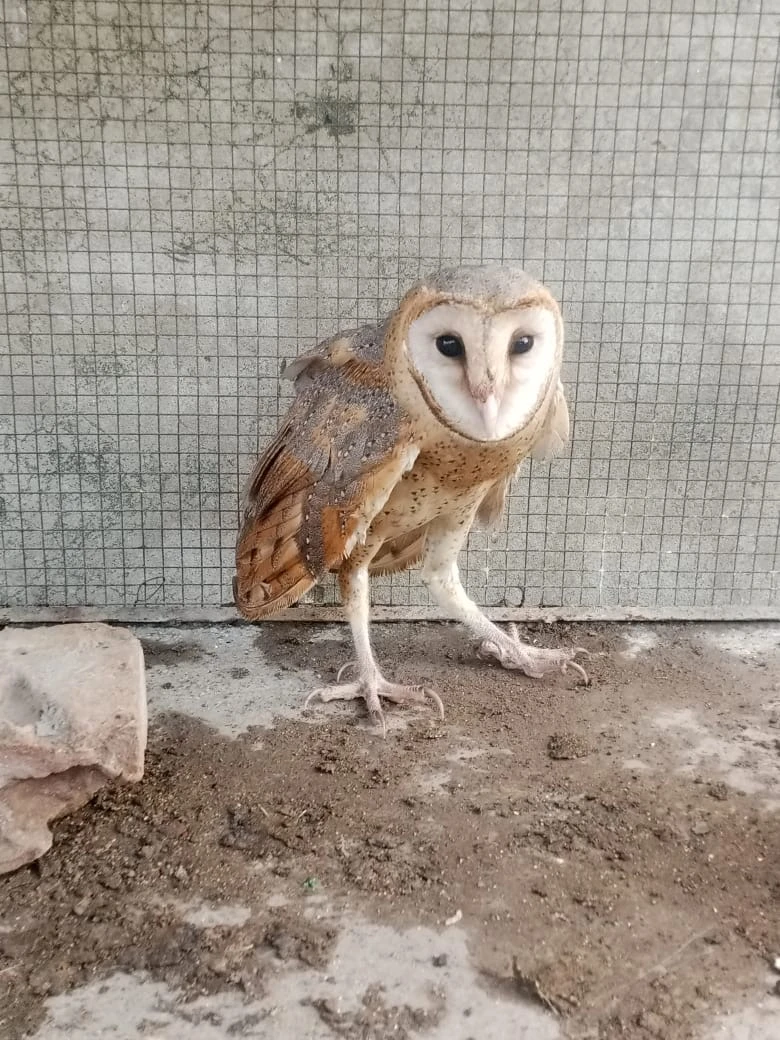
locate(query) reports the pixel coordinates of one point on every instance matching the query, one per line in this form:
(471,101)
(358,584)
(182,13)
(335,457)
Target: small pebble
(82,906)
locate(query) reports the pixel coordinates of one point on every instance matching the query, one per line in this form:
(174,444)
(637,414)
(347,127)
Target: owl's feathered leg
(441,575)
(370,684)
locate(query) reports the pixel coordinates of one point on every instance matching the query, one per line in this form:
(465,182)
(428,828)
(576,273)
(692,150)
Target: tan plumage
(392,449)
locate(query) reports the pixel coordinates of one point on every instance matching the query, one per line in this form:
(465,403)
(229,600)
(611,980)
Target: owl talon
(436,700)
(344,667)
(576,666)
(511,652)
(378,718)
(372,689)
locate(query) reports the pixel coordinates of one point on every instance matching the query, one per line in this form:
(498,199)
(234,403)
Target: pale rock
(72,717)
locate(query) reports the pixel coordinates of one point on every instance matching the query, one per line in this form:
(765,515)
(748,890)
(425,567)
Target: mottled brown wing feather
(331,467)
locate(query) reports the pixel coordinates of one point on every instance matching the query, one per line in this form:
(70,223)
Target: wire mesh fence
(193,192)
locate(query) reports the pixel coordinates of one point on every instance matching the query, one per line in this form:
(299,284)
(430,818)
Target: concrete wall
(191,192)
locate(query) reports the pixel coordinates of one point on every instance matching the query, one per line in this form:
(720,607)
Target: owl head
(483,344)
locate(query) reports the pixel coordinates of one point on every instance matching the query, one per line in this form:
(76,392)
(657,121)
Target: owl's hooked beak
(487,405)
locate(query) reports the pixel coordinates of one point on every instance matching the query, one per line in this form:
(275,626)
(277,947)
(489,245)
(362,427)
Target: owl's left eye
(521,345)
(450,345)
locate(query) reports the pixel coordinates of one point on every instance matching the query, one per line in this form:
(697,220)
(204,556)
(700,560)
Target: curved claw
(379,717)
(436,700)
(344,667)
(314,694)
(577,668)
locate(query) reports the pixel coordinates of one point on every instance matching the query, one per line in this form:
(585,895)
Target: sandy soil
(612,851)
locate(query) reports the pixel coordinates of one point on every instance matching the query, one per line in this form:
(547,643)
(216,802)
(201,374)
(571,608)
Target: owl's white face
(485,372)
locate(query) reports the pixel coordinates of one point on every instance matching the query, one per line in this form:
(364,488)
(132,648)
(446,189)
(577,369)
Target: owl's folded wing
(339,453)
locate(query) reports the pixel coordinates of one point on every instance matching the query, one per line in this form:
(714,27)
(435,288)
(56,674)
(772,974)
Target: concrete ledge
(307,613)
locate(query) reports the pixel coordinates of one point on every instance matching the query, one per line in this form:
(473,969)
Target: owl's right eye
(450,346)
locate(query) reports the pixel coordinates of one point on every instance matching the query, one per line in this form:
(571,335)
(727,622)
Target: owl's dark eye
(450,346)
(521,345)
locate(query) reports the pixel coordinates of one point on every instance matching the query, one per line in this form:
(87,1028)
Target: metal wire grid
(191,192)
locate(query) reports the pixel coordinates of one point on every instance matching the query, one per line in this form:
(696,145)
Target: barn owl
(402,436)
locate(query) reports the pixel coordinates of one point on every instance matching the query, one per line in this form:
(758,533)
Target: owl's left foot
(372,689)
(511,652)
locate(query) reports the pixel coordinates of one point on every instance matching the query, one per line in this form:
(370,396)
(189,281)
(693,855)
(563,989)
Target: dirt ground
(610,852)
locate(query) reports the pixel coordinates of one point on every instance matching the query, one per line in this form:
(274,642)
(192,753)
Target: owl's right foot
(373,688)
